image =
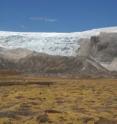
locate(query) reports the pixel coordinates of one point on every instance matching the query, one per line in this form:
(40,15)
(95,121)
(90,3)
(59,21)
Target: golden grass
(67,101)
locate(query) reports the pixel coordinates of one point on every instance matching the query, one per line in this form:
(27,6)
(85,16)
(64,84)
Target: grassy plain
(38,100)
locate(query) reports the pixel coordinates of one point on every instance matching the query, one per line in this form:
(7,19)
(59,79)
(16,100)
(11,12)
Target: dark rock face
(105,47)
(102,47)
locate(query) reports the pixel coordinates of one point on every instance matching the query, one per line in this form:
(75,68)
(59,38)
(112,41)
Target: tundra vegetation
(27,99)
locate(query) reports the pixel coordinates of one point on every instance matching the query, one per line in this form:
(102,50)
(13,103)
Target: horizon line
(106,27)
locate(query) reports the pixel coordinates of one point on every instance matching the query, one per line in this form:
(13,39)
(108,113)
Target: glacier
(64,44)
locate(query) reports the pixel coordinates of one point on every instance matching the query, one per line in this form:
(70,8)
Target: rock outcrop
(102,48)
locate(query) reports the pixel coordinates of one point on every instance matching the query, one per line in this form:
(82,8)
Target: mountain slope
(48,64)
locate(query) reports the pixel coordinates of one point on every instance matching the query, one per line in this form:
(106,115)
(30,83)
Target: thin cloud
(45,19)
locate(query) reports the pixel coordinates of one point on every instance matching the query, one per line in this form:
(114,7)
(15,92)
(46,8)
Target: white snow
(64,44)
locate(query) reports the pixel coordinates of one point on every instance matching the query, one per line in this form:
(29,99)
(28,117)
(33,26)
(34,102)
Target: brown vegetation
(65,101)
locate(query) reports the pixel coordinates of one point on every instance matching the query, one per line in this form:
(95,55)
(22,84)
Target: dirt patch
(17,82)
(52,111)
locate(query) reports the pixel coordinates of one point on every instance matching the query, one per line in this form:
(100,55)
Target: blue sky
(57,15)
